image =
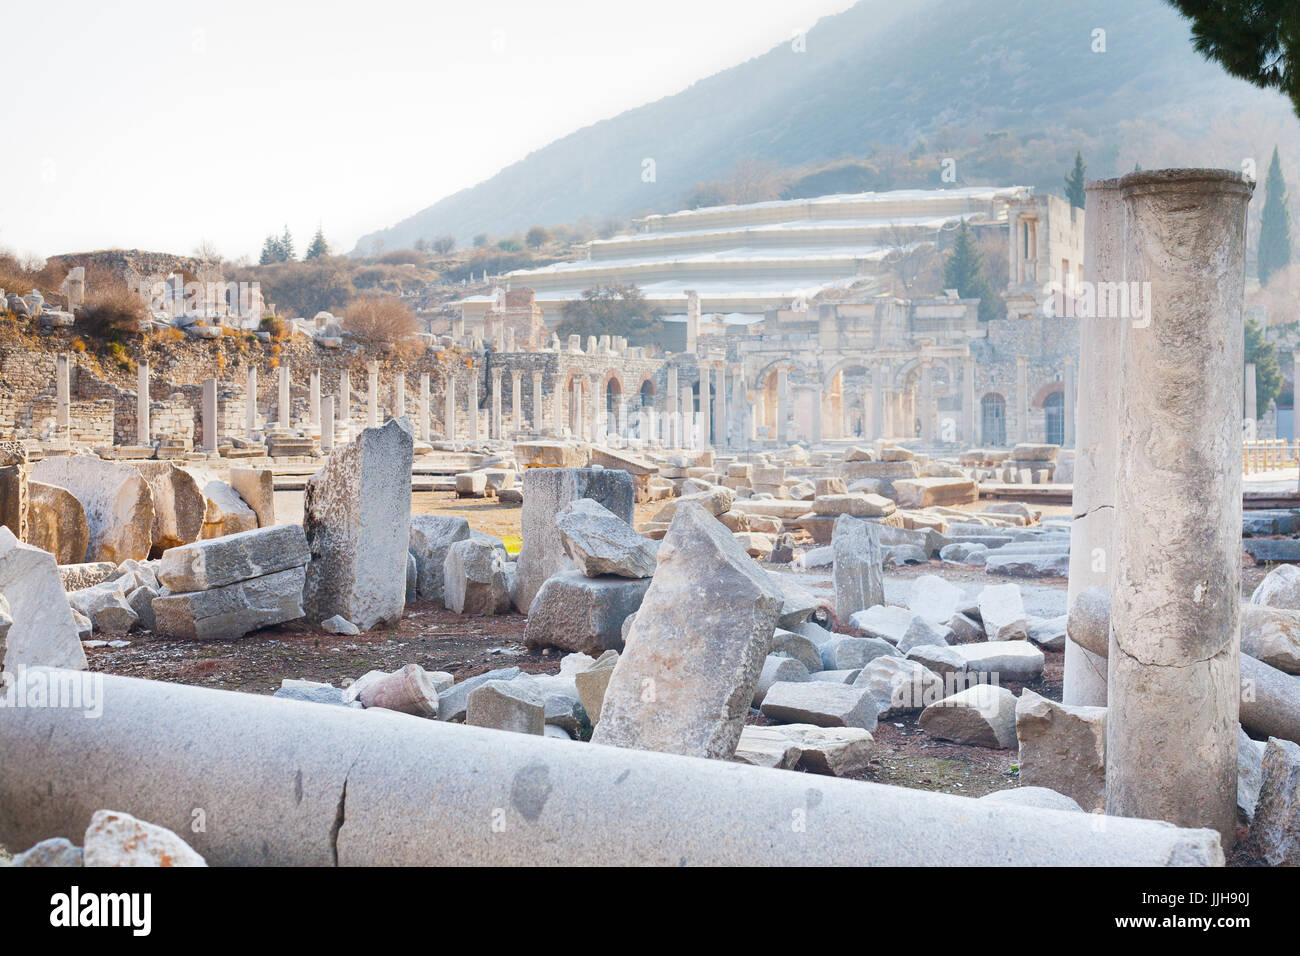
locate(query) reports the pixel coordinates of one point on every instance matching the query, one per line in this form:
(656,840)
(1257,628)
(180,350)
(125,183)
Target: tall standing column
(1097,440)
(344,409)
(425,401)
(1022,398)
(592,392)
(1174,667)
(688,417)
(1069,400)
(927,400)
(557,396)
(399,395)
(372,395)
(720,407)
(284,411)
(706,408)
(539,409)
(63,395)
(327,425)
(819,412)
(495,426)
(471,405)
(1252,402)
(783,405)
(877,401)
(672,435)
(449,409)
(251,401)
(142,404)
(968,401)
(313,399)
(517,400)
(209,415)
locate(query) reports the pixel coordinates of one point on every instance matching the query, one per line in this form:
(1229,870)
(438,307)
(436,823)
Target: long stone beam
(248,779)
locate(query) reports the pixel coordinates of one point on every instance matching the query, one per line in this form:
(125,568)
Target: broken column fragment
(859,582)
(117,501)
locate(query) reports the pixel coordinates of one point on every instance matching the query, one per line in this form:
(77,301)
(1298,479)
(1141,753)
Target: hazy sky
(155,125)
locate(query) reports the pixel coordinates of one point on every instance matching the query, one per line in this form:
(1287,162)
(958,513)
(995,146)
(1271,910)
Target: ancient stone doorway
(993,421)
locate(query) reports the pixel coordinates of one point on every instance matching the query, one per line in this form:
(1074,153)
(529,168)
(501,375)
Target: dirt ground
(437,639)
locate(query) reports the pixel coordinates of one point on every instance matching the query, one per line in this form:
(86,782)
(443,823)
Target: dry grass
(381,321)
(112,312)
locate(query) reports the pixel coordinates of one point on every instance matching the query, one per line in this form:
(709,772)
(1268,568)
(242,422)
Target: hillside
(1010,88)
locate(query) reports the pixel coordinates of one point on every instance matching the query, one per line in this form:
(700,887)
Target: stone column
(344,409)
(1092,524)
(251,401)
(557,396)
(539,410)
(399,395)
(142,404)
(424,406)
(692,321)
(672,430)
(63,395)
(819,412)
(782,405)
(596,401)
(327,424)
(517,399)
(1172,718)
(706,408)
(968,401)
(284,411)
(1252,403)
(688,417)
(210,414)
(720,407)
(372,395)
(1069,400)
(877,401)
(926,413)
(313,400)
(449,410)
(471,405)
(496,404)
(1022,398)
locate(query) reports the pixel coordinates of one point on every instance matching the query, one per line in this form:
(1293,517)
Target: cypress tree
(1274,225)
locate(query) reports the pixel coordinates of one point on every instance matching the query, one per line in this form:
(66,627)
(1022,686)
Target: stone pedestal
(313,399)
(327,425)
(1171,734)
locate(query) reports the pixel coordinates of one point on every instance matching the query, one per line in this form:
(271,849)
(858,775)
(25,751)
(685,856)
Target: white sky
(154,125)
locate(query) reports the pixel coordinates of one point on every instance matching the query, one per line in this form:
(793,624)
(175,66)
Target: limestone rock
(56,522)
(1272,635)
(1063,748)
(592,682)
(408,691)
(857,505)
(453,701)
(106,606)
(575,612)
(857,573)
(1087,620)
(884,621)
(507,705)
(920,632)
(357,518)
(74,577)
(899,686)
(983,716)
(474,579)
(716,501)
(43,632)
(1277,815)
(767,747)
(1003,612)
(216,562)
(1049,632)
(141,602)
(431,537)
(56,852)
(179,507)
(257,487)
(820,703)
(1028,796)
(599,542)
(116,499)
(935,599)
(225,513)
(546,492)
(119,839)
(842,651)
(1280,588)
(798,604)
(1250,773)
(686,678)
(802,648)
(836,751)
(1008,660)
(229,612)
(775,669)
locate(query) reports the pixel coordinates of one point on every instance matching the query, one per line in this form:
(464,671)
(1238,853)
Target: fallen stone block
(225,513)
(474,579)
(1026,796)
(1272,635)
(116,500)
(229,612)
(1280,588)
(1087,620)
(575,612)
(56,522)
(806,651)
(1250,774)
(857,572)
(257,487)
(935,599)
(835,751)
(843,652)
(798,604)
(983,716)
(338,624)
(1049,632)
(43,632)
(471,484)
(920,632)
(856,505)
(899,686)
(1002,660)
(592,682)
(1277,814)
(1055,564)
(106,606)
(686,678)
(884,621)
(1270,700)
(179,507)
(775,669)
(409,690)
(216,562)
(431,537)
(1003,612)
(119,839)
(935,492)
(74,577)
(453,701)
(820,703)
(767,747)
(1063,748)
(600,543)
(507,705)
(357,518)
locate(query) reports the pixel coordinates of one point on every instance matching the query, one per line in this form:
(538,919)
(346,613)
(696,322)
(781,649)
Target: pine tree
(1258,42)
(1075,182)
(286,245)
(964,271)
(270,251)
(1260,352)
(1274,225)
(319,247)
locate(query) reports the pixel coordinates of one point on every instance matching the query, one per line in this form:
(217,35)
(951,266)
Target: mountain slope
(922,74)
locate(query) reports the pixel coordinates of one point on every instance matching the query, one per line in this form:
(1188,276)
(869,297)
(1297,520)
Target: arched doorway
(993,421)
(1054,406)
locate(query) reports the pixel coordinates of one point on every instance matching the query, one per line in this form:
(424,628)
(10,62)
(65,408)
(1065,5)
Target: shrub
(380,320)
(78,345)
(278,328)
(112,312)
